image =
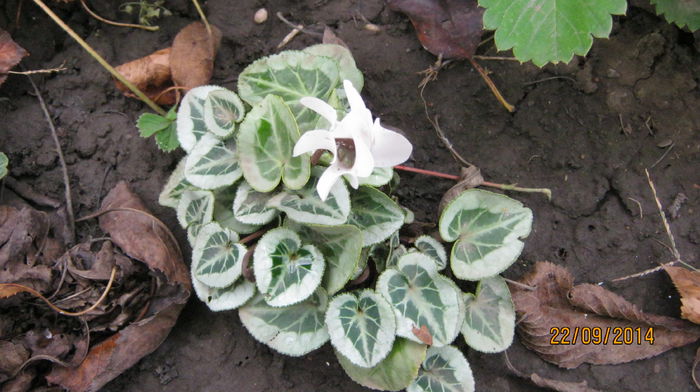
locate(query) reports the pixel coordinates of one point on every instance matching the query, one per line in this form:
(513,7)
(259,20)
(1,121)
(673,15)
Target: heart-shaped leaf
(362,327)
(488,227)
(222,110)
(346,63)
(433,248)
(286,272)
(250,206)
(177,183)
(292,330)
(212,163)
(489,322)
(375,214)
(190,117)
(216,256)
(265,140)
(444,370)
(421,297)
(227,298)
(195,208)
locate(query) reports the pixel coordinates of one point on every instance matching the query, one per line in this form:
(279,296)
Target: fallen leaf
(451,28)
(470,177)
(549,383)
(10,54)
(151,74)
(193,53)
(688,285)
(556,303)
(13,356)
(329,37)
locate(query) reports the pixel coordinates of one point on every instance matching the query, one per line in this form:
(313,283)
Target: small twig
(113,23)
(64,167)
(495,58)
(674,249)
(646,272)
(457,156)
(663,156)
(298,26)
(521,285)
(641,211)
(202,16)
(548,79)
(492,86)
(60,68)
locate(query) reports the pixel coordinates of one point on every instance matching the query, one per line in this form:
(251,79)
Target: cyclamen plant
(273,160)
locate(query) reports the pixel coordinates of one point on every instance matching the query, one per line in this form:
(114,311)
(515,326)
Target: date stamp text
(601,335)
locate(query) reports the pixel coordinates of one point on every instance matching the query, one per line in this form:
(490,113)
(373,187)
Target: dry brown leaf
(151,74)
(329,37)
(192,56)
(10,54)
(687,283)
(557,303)
(469,177)
(561,386)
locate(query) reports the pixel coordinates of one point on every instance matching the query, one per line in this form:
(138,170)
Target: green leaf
(222,110)
(394,373)
(190,117)
(223,212)
(346,63)
(292,330)
(212,163)
(375,214)
(444,370)
(166,139)
(3,164)
(216,256)
(489,323)
(286,272)
(250,206)
(192,232)
(341,247)
(149,123)
(433,248)
(170,195)
(422,297)
(361,327)
(195,208)
(305,206)
(684,13)
(291,75)
(488,227)
(549,30)
(380,176)
(266,139)
(227,298)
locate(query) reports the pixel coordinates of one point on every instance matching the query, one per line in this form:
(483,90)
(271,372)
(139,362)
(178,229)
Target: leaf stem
(202,16)
(99,58)
(427,172)
(492,86)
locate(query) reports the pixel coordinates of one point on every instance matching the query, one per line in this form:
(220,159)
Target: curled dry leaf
(557,303)
(193,53)
(549,383)
(688,285)
(151,74)
(469,177)
(10,54)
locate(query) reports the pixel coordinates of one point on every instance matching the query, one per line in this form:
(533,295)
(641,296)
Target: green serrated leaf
(222,110)
(170,195)
(362,327)
(346,63)
(227,298)
(195,208)
(422,297)
(3,164)
(489,323)
(444,370)
(394,373)
(549,30)
(250,206)
(166,139)
(433,248)
(149,123)
(292,330)
(684,13)
(286,272)
(375,214)
(488,227)
(212,163)
(190,116)
(216,256)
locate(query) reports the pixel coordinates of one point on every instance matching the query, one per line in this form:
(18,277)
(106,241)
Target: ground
(586,130)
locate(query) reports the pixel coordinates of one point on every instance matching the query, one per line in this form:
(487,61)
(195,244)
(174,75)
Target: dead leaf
(557,303)
(447,28)
(193,53)
(423,334)
(151,74)
(13,356)
(688,285)
(549,383)
(10,54)
(470,177)
(329,37)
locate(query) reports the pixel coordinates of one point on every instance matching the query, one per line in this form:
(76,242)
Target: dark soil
(586,130)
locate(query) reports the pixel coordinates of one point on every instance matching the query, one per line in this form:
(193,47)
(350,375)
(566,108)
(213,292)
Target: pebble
(260,16)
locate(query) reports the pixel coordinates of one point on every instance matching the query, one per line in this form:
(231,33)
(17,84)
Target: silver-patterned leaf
(250,206)
(346,63)
(362,327)
(222,110)
(488,228)
(292,330)
(422,298)
(223,212)
(212,163)
(444,370)
(216,256)
(375,214)
(489,322)
(227,298)
(286,272)
(177,183)
(190,117)
(195,207)
(192,232)
(433,248)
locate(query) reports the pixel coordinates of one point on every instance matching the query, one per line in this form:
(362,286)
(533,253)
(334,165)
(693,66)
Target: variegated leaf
(222,110)
(362,327)
(292,330)
(489,322)
(177,183)
(212,163)
(346,63)
(444,370)
(250,206)
(216,256)
(286,272)
(192,232)
(375,214)
(266,139)
(422,297)
(488,227)
(223,211)
(380,176)
(291,75)
(433,248)
(190,117)
(195,208)
(394,373)
(227,298)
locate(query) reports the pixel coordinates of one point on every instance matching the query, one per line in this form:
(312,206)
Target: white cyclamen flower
(357,143)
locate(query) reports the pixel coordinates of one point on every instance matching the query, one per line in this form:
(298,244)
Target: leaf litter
(10,54)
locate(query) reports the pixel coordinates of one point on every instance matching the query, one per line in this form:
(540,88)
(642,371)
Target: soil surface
(587,130)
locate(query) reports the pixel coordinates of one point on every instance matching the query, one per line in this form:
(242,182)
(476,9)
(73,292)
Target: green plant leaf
(250,206)
(433,248)
(177,183)
(394,373)
(444,370)
(222,110)
(190,117)
(212,163)
(346,63)
(421,297)
(195,208)
(380,176)
(192,232)
(488,227)
(305,206)
(150,123)
(375,214)
(684,13)
(216,256)
(362,327)
(549,30)
(286,272)
(3,164)
(223,212)
(291,75)
(265,140)
(341,247)
(227,298)
(489,322)
(166,139)
(292,330)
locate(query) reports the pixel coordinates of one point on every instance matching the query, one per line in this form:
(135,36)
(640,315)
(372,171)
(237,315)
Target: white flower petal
(364,161)
(353,180)
(329,177)
(320,107)
(354,98)
(389,148)
(314,140)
